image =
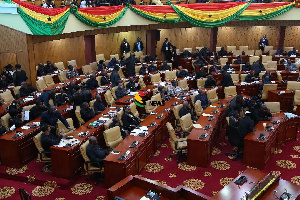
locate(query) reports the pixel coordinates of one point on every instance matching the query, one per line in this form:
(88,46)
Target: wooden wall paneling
(61,50)
(247,36)
(7,58)
(292,37)
(31,60)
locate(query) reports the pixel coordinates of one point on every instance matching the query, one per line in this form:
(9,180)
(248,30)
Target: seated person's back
(186,109)
(49,139)
(95,153)
(129,120)
(86,112)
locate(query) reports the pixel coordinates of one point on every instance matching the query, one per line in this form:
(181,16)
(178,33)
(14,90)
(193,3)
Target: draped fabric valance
(44,21)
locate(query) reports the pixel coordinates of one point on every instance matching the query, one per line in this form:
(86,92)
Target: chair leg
(47,166)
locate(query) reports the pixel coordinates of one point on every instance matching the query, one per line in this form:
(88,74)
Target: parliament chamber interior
(130,100)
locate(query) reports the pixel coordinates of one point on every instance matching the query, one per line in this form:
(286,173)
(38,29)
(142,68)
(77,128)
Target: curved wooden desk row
(116,170)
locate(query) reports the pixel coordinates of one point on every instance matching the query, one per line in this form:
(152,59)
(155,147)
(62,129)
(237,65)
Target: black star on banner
(260,11)
(104,18)
(49,19)
(209,15)
(165,16)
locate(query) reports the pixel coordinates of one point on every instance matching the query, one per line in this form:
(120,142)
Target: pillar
(281,37)
(90,48)
(151,42)
(213,38)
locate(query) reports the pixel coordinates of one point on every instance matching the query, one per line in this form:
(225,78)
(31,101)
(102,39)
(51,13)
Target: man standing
(125,47)
(19,75)
(166,49)
(92,83)
(263,42)
(130,65)
(138,45)
(115,77)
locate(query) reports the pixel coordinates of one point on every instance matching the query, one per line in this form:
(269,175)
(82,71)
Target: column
(90,48)
(281,37)
(213,38)
(151,42)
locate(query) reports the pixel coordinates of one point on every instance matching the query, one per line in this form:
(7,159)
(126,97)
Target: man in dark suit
(239,60)
(201,73)
(98,105)
(203,98)
(227,66)
(49,139)
(149,58)
(130,64)
(210,82)
(293,53)
(205,52)
(41,70)
(104,79)
(262,114)
(86,112)
(95,153)
(186,109)
(257,67)
(63,97)
(214,68)
(144,69)
(50,68)
(227,80)
(19,75)
(263,42)
(250,77)
(115,77)
(46,96)
(125,47)
(185,54)
(138,45)
(235,105)
(26,90)
(165,66)
(181,73)
(246,124)
(131,85)
(246,67)
(166,49)
(113,62)
(222,52)
(37,110)
(8,72)
(92,83)
(152,68)
(120,91)
(129,120)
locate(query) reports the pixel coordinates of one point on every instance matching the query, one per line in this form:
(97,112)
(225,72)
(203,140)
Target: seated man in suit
(257,67)
(222,52)
(210,82)
(239,60)
(113,62)
(3,82)
(86,112)
(92,83)
(46,96)
(199,62)
(185,54)
(265,81)
(201,73)
(63,97)
(262,114)
(71,73)
(120,91)
(95,153)
(49,139)
(291,66)
(26,90)
(104,79)
(203,98)
(15,105)
(227,66)
(227,80)
(17,119)
(148,58)
(144,69)
(116,122)
(174,90)
(115,77)
(129,120)
(235,105)
(41,70)
(50,68)
(131,85)
(98,105)
(152,68)
(37,110)
(293,52)
(250,77)
(279,52)
(246,67)
(246,124)
(186,109)
(214,68)
(165,66)
(181,73)
(268,73)
(101,66)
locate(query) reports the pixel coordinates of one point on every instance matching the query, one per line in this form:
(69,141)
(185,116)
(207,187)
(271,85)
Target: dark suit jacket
(135,46)
(125,47)
(227,80)
(115,78)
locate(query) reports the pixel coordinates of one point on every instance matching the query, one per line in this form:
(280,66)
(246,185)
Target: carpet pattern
(161,168)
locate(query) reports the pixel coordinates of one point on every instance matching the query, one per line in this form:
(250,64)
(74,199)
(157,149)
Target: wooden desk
(289,76)
(257,153)
(235,192)
(18,152)
(135,187)
(65,83)
(199,150)
(116,170)
(286,99)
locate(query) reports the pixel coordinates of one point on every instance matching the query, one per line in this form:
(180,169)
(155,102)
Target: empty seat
(40,85)
(258,52)
(249,52)
(237,52)
(60,65)
(287,49)
(49,80)
(253,59)
(243,48)
(266,89)
(265,59)
(73,63)
(201,82)
(231,48)
(296,99)
(273,106)
(268,48)
(113,136)
(293,85)
(230,91)
(183,84)
(7,96)
(100,57)
(271,65)
(186,122)
(235,78)
(212,95)
(170,75)
(155,78)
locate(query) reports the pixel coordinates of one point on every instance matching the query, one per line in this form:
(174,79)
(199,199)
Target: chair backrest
(5,120)
(92,103)
(297,97)
(61,126)
(38,142)
(231,48)
(212,95)
(134,110)
(113,136)
(172,135)
(40,85)
(142,83)
(24,195)
(83,148)
(176,110)
(156,97)
(100,57)
(7,96)
(137,69)
(253,59)
(72,62)
(243,48)
(109,98)
(113,91)
(265,59)
(48,80)
(237,52)
(62,76)
(113,56)
(201,82)
(243,77)
(279,76)
(186,122)
(119,115)
(268,48)
(189,49)
(78,115)
(26,108)
(272,65)
(98,78)
(230,91)
(183,84)
(266,89)
(235,78)
(170,75)
(60,65)
(198,108)
(273,106)
(258,52)
(293,85)
(94,66)
(272,52)
(223,61)
(17,90)
(249,52)
(287,49)
(84,80)
(138,54)
(155,78)
(86,69)
(148,107)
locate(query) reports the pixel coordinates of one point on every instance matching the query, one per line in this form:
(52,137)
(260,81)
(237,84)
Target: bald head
(185,104)
(93,140)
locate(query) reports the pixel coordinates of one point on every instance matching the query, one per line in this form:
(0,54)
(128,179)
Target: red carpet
(206,180)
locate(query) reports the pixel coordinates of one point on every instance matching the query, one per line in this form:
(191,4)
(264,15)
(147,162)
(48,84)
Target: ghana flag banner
(164,13)
(43,21)
(262,11)
(103,16)
(210,14)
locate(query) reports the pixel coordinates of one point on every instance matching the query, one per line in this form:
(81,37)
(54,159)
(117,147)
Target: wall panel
(110,43)
(61,50)
(292,38)
(247,35)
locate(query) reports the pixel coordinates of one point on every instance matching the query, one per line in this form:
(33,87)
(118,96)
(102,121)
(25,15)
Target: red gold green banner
(163,13)
(262,11)
(210,14)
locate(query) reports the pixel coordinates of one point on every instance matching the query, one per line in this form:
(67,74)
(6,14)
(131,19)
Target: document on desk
(137,131)
(206,115)
(144,198)
(26,115)
(197,125)
(212,106)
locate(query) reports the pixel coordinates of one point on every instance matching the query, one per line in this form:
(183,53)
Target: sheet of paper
(26,115)
(197,125)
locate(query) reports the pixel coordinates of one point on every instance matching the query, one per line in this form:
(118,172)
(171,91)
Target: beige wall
(292,37)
